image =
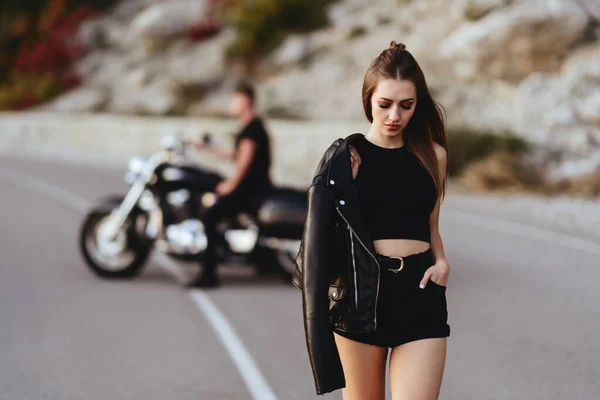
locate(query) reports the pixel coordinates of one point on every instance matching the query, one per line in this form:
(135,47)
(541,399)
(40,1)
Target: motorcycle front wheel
(122,256)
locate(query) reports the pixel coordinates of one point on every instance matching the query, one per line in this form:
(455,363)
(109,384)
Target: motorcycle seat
(284,205)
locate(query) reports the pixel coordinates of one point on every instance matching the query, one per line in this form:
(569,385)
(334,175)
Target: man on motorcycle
(250,181)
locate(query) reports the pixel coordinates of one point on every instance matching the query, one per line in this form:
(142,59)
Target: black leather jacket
(337,270)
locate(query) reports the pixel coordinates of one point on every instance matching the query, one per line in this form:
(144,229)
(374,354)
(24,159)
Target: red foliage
(68,24)
(72,80)
(55,51)
(57,47)
(28,100)
(54,10)
(204,30)
(48,55)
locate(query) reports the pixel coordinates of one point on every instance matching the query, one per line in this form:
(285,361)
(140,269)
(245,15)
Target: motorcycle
(163,210)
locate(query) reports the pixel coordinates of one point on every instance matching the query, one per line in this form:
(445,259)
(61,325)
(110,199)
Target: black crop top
(396,193)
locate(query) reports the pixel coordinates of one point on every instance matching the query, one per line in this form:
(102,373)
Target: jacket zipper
(353,233)
(353,267)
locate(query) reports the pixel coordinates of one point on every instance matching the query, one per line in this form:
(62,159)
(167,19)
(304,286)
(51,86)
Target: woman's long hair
(427,123)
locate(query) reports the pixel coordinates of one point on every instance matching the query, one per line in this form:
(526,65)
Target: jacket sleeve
(319,175)
(322,350)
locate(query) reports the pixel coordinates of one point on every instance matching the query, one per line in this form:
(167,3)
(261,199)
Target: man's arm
(246,153)
(221,152)
(217,151)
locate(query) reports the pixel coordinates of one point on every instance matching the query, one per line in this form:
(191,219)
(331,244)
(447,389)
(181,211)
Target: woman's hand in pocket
(438,273)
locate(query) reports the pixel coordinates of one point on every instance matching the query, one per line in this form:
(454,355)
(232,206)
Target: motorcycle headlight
(171,142)
(136,165)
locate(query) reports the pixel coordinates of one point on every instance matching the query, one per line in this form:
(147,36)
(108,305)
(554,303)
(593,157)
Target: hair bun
(397,46)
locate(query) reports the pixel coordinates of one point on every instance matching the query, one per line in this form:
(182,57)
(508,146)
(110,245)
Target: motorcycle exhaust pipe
(291,245)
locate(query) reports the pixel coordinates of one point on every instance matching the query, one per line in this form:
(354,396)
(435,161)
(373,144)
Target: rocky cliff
(526,66)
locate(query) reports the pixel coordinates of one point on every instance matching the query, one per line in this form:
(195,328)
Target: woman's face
(393,104)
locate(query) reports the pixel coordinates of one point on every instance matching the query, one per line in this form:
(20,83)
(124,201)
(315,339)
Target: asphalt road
(524,310)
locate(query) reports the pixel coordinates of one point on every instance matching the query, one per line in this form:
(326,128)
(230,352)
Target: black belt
(397,264)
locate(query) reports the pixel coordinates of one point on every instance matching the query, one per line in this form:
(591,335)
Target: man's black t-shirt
(257,177)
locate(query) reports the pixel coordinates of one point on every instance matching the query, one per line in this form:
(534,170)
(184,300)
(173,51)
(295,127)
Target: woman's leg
(416,369)
(364,369)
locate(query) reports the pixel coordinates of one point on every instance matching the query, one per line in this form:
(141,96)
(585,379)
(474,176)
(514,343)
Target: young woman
(372,267)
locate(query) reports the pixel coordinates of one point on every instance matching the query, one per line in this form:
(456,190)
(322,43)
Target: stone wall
(297,146)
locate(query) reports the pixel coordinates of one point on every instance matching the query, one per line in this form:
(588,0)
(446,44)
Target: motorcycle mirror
(169,141)
(206,138)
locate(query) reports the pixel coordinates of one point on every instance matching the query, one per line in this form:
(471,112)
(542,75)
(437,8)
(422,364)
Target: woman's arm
(440,270)
(322,350)
(436,240)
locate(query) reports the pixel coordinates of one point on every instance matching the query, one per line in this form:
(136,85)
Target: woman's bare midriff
(400,247)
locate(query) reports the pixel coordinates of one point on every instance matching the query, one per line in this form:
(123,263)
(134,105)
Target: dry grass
(502,172)
(587,185)
(466,146)
(510,173)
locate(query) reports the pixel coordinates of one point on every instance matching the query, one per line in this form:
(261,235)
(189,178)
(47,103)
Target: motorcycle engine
(186,237)
(242,235)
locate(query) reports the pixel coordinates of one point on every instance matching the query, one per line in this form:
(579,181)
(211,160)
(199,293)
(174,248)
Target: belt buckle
(396,270)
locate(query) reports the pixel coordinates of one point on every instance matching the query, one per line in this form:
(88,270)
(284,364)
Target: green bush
(262,25)
(357,31)
(382,20)
(473,13)
(281,112)
(22,91)
(466,146)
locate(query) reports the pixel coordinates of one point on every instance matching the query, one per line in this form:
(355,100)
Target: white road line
(250,372)
(170,266)
(247,367)
(254,379)
(34,184)
(514,228)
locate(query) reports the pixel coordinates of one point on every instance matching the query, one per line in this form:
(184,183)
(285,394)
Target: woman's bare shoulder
(440,151)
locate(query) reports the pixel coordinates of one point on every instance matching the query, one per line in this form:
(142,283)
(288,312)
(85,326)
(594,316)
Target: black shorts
(405,312)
